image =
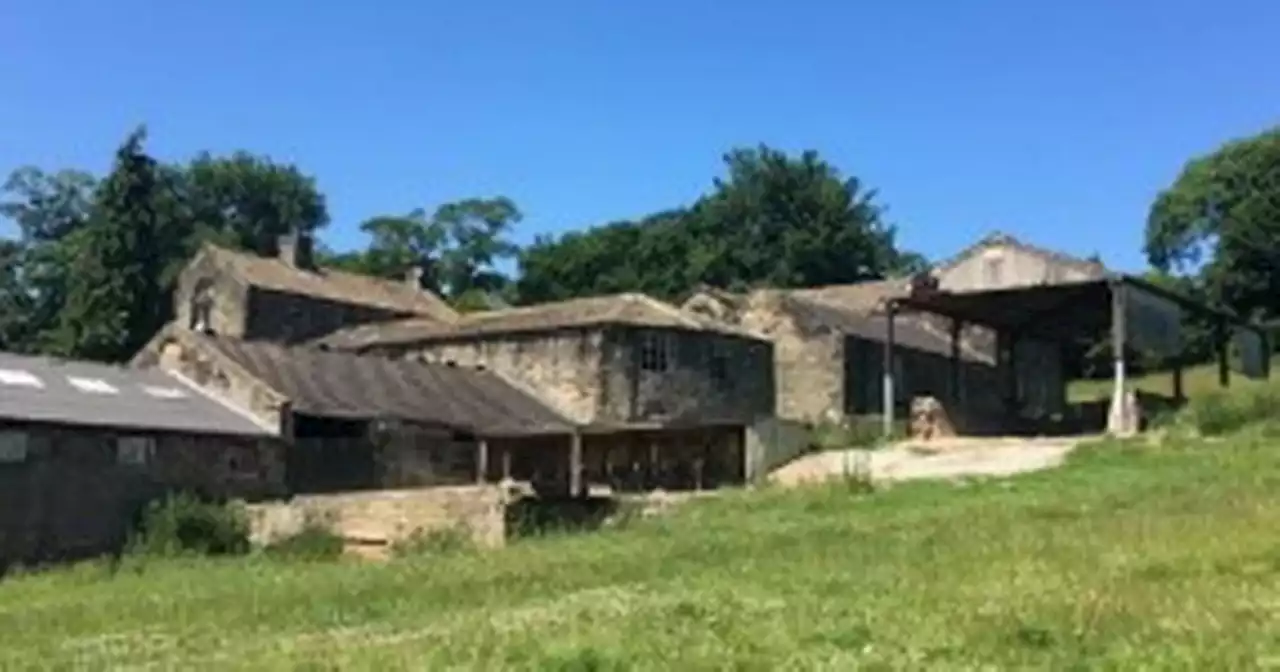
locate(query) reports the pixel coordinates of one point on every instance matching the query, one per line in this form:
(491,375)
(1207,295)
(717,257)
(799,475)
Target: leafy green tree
(1219,225)
(773,220)
(116,297)
(248,201)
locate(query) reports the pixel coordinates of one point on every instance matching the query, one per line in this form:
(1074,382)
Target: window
(717,363)
(135,450)
(656,352)
(92,385)
(17,377)
(13,447)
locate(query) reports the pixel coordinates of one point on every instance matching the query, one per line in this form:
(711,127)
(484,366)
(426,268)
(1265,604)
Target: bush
(1226,410)
(316,541)
(185,524)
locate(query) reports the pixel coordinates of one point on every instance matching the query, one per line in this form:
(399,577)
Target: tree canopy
(773,220)
(1218,226)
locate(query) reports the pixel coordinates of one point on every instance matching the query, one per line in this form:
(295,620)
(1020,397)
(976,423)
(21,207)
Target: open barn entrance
(1127,313)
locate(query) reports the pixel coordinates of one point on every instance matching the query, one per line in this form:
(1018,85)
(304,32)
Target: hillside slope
(1131,555)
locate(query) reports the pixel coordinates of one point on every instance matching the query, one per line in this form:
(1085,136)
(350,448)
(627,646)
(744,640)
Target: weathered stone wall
(808,367)
(73,496)
(293,318)
(388,516)
(221,379)
(563,368)
(708,377)
(228,297)
(1007,266)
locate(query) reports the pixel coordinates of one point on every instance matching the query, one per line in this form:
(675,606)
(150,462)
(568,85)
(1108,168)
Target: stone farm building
(288,298)
(662,397)
(83,446)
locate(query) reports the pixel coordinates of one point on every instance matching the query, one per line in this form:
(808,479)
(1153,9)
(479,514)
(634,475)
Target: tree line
(95,257)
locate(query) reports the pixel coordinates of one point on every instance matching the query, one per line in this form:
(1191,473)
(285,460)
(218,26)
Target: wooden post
(1223,341)
(957,389)
(575,465)
(887,388)
(482,461)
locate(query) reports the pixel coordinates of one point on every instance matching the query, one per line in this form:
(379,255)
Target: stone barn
(356,422)
(289,298)
(84,446)
(662,397)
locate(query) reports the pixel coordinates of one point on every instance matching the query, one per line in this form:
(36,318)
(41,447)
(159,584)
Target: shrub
(315,541)
(185,524)
(1226,410)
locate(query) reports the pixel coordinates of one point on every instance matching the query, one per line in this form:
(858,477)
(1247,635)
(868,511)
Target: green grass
(1133,556)
(1196,380)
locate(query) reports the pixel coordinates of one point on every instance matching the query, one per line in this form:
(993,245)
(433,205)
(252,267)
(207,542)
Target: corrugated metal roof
(44,389)
(340,384)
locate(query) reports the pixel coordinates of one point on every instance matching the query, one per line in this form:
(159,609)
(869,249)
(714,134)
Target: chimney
(413,277)
(294,249)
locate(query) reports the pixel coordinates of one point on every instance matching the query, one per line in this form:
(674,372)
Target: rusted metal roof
(346,385)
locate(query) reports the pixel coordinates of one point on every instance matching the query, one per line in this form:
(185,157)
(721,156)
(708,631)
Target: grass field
(1135,555)
(1196,380)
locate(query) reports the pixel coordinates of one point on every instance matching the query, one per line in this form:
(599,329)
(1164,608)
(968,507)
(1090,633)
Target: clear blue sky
(1057,122)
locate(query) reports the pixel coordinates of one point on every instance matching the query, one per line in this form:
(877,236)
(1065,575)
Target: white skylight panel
(17,377)
(92,385)
(164,392)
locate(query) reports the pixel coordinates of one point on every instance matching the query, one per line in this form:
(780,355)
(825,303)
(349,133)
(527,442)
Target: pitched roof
(331,284)
(43,389)
(910,331)
(995,238)
(629,309)
(339,384)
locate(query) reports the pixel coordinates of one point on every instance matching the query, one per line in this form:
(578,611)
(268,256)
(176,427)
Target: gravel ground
(944,458)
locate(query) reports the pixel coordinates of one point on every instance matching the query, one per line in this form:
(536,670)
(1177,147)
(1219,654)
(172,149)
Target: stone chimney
(294,249)
(413,277)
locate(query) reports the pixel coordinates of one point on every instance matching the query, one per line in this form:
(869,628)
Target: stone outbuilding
(84,446)
(355,422)
(289,298)
(662,396)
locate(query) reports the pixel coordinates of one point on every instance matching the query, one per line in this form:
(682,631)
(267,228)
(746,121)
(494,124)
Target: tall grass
(1136,555)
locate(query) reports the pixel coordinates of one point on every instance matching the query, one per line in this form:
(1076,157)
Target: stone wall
(219,378)
(74,494)
(700,377)
(563,367)
(228,297)
(809,367)
(387,516)
(284,317)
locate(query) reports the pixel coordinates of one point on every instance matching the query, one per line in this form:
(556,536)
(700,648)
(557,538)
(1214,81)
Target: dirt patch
(940,458)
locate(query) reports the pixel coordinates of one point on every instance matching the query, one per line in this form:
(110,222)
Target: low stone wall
(384,517)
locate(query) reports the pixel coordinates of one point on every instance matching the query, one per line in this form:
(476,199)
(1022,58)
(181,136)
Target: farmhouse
(83,446)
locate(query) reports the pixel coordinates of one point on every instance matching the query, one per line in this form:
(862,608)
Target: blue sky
(1057,122)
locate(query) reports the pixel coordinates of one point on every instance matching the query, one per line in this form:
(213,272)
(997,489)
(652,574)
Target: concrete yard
(942,458)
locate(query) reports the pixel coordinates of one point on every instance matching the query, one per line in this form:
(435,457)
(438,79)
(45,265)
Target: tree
(773,220)
(1218,224)
(248,201)
(457,247)
(116,299)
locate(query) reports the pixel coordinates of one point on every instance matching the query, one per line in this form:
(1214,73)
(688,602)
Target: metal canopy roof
(1057,312)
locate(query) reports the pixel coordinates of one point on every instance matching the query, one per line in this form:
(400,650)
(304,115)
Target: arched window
(201,308)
